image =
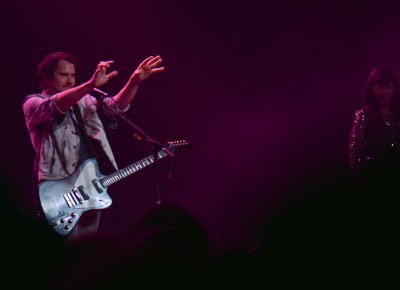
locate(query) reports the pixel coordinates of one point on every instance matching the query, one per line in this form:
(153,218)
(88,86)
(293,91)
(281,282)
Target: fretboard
(130,169)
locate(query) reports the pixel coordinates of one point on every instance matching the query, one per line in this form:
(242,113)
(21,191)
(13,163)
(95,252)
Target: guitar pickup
(83,192)
(97,185)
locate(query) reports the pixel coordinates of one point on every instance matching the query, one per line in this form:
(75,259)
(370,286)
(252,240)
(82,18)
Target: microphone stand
(140,134)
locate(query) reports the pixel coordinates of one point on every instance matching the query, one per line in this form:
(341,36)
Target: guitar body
(64,201)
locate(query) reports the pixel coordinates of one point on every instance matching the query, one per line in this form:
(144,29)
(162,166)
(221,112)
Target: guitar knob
(73,214)
(62,220)
(66,227)
(70,221)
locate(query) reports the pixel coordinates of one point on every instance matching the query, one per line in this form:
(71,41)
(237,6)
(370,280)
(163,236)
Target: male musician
(65,122)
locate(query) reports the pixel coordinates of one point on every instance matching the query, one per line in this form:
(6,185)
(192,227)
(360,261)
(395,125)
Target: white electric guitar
(64,201)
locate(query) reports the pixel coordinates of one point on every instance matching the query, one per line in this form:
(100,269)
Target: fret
(130,169)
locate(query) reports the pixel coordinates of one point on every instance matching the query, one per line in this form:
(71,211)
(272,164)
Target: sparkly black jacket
(374,140)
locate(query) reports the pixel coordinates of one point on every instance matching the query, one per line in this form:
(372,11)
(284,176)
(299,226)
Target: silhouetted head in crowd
(168,233)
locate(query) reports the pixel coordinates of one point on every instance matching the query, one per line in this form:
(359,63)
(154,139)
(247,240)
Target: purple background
(264,90)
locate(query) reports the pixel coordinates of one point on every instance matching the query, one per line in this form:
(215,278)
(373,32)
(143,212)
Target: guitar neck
(130,169)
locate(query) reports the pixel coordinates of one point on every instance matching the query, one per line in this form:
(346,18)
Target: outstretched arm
(68,98)
(146,68)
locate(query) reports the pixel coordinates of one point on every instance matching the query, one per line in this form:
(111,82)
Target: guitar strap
(82,128)
(94,149)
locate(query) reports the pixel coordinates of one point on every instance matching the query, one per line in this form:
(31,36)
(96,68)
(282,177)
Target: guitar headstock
(177,145)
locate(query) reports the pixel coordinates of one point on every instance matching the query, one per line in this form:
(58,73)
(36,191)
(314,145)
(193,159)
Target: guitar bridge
(75,196)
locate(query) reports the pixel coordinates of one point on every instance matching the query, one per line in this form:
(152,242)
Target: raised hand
(100,76)
(148,67)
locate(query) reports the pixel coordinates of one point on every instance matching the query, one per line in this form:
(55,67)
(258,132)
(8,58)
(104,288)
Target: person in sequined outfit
(374,146)
(370,210)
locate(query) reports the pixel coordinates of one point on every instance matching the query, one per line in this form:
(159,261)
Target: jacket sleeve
(107,115)
(38,109)
(356,148)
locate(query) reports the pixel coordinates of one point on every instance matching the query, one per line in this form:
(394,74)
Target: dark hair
(380,76)
(48,66)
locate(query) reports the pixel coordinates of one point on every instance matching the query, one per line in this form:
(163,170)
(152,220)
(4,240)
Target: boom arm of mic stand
(130,123)
(140,131)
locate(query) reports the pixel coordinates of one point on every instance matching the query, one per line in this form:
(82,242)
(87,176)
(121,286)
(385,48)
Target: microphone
(100,94)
